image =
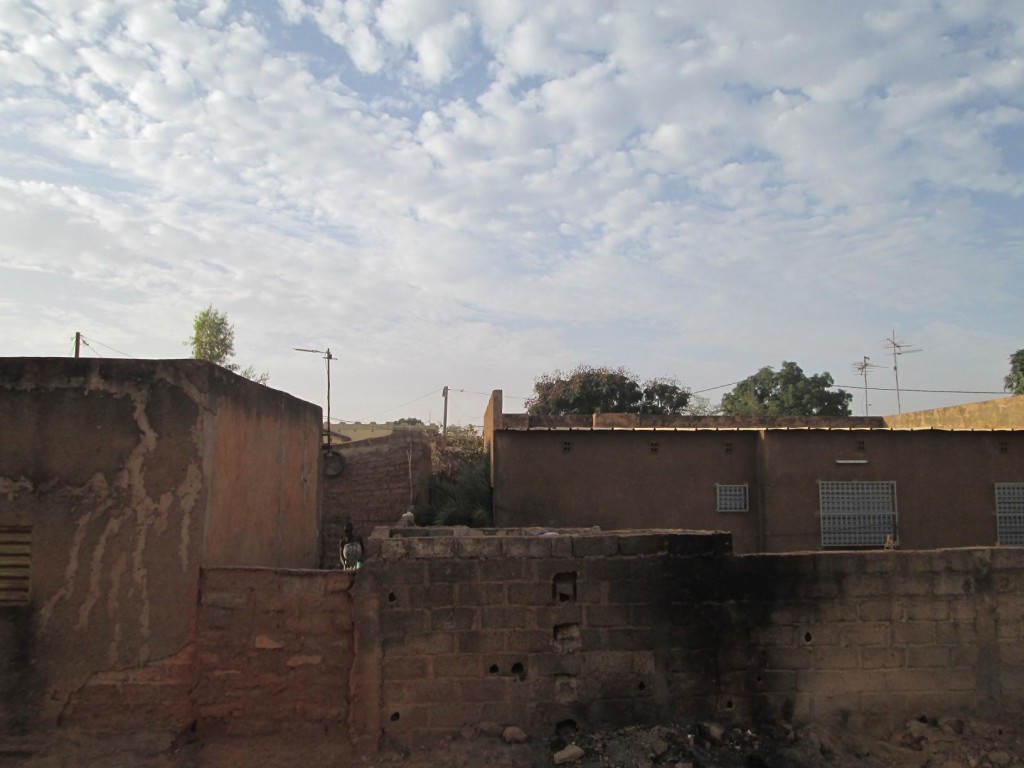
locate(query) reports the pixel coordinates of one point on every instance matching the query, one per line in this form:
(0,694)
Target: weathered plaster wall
(124,471)
(625,479)
(1005,413)
(382,477)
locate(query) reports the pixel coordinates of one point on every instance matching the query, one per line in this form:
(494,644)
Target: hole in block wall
(395,717)
(728,447)
(1004,447)
(566,729)
(728,704)
(654,447)
(566,446)
(494,669)
(563,587)
(641,686)
(566,638)
(566,689)
(807,637)
(392,597)
(519,670)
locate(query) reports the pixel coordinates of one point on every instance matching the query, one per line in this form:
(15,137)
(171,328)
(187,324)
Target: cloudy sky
(473,193)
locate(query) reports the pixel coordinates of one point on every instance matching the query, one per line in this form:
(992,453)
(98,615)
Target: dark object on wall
(334,463)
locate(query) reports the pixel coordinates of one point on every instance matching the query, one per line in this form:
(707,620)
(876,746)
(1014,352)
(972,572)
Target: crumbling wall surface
(869,638)
(274,651)
(381,479)
(101,466)
(574,630)
(264,459)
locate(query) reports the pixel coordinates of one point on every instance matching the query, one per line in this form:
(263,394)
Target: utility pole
(862,368)
(328,357)
(898,348)
(78,343)
(444,423)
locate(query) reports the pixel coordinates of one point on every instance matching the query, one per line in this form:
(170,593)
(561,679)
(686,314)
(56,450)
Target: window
(732,498)
(1010,513)
(15,560)
(857,514)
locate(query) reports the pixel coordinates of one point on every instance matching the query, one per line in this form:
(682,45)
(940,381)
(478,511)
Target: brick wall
(374,488)
(274,651)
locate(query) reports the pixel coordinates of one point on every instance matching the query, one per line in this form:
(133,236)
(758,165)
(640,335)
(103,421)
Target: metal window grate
(732,498)
(857,514)
(15,563)
(1010,513)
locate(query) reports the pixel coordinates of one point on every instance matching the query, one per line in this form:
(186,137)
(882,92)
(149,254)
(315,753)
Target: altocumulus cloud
(471,193)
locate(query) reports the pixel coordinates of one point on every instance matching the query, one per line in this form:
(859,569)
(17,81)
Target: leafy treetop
(786,392)
(1015,381)
(213,339)
(587,389)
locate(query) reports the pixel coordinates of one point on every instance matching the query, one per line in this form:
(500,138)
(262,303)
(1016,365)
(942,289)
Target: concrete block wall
(274,651)
(569,629)
(873,637)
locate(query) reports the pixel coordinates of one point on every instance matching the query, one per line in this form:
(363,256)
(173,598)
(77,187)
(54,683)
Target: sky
(473,194)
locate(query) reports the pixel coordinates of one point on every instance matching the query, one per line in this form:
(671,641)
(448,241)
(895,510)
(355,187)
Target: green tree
(1015,381)
(213,339)
(786,392)
(460,487)
(587,389)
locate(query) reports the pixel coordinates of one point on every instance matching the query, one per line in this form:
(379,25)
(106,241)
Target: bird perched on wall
(351,549)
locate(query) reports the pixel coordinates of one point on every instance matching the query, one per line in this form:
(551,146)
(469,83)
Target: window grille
(1010,513)
(732,498)
(15,562)
(857,514)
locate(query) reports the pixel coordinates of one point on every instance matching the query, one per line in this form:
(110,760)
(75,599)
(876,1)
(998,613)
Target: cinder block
(953,584)
(642,544)
(608,615)
(527,546)
(460,665)
(428,643)
(479,546)
(506,617)
(866,633)
(889,609)
(913,632)
(784,657)
(882,658)
(594,546)
(528,641)
(928,656)
(503,570)
(834,657)
(454,619)
(927,609)
(403,623)
(530,593)
(431,547)
(455,571)
(490,593)
(433,595)
(492,641)
(481,690)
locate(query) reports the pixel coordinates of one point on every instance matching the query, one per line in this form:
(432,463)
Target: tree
(786,392)
(213,339)
(586,389)
(460,487)
(1015,381)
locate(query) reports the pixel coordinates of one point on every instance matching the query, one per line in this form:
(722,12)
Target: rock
(514,735)
(999,758)
(468,732)
(917,729)
(658,747)
(713,732)
(490,728)
(570,754)
(953,764)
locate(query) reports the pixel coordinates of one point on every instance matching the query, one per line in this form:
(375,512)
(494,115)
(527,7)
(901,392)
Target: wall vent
(15,563)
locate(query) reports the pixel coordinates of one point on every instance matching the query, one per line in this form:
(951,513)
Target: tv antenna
(328,357)
(898,348)
(862,368)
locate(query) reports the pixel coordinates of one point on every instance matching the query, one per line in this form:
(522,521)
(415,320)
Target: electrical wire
(94,341)
(415,400)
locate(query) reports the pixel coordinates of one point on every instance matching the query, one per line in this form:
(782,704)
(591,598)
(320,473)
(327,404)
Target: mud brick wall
(382,477)
(542,631)
(274,651)
(870,638)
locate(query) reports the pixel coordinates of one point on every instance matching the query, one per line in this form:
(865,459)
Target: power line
(94,341)
(410,402)
(933,391)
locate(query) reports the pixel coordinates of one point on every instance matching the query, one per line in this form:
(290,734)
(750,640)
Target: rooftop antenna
(862,368)
(898,348)
(328,357)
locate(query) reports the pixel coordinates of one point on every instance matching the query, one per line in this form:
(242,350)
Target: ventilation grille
(857,514)
(15,563)
(1010,513)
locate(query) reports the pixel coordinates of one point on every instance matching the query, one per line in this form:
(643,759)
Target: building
(948,478)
